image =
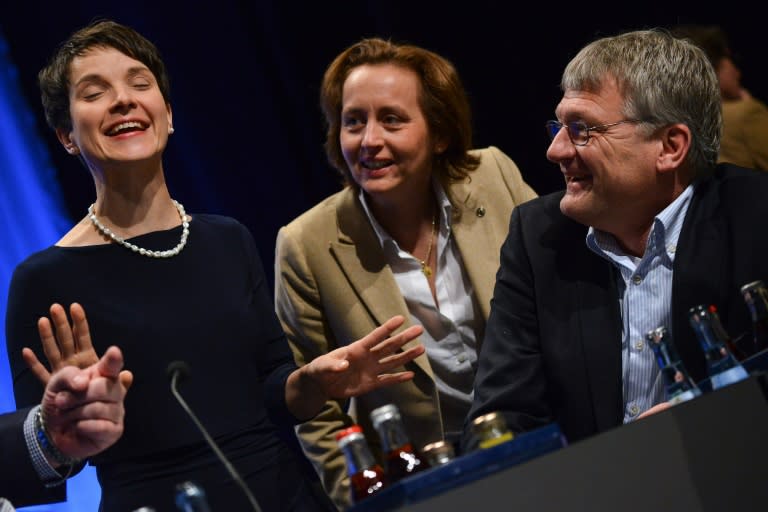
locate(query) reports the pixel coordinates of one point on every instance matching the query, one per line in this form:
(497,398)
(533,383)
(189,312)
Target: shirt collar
(442,200)
(664,232)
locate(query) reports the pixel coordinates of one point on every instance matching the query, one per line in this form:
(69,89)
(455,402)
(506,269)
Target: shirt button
(639,345)
(461,358)
(480,212)
(634,410)
(672,249)
(637,279)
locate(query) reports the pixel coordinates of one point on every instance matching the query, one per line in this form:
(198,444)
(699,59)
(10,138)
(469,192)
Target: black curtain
(245,77)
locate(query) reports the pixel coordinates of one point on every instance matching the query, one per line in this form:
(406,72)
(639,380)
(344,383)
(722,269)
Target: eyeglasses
(578,131)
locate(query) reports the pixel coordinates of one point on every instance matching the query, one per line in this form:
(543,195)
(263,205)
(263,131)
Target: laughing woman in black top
(169,286)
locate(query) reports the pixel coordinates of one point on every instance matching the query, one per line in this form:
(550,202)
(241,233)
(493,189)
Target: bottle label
(684,396)
(488,443)
(729,376)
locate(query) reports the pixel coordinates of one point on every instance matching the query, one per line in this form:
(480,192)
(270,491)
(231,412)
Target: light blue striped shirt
(645,293)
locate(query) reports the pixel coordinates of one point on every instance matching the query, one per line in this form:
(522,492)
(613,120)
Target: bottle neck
(357,454)
(715,342)
(392,434)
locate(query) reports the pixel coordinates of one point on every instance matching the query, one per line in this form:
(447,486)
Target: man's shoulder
(542,220)
(548,203)
(733,192)
(730,179)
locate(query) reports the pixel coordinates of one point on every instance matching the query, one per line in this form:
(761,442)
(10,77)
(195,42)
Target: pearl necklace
(135,248)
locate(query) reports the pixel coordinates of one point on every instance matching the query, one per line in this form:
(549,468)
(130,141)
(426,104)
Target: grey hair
(663,80)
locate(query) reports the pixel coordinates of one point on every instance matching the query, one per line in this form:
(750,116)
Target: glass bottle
(190,497)
(400,459)
(365,474)
(491,429)
(678,385)
(438,453)
(756,297)
(722,367)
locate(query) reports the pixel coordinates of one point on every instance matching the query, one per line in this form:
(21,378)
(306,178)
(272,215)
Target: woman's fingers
(387,379)
(37,368)
(65,344)
(400,358)
(64,336)
(394,343)
(48,340)
(382,332)
(80,331)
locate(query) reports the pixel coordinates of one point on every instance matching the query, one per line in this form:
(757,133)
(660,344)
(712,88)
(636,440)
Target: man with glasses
(647,227)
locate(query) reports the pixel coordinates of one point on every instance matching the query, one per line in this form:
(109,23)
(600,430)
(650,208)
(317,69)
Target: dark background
(245,77)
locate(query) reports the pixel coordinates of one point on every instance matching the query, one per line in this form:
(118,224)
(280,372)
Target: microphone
(177,371)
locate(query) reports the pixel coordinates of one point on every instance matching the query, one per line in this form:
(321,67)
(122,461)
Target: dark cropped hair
(54,78)
(442,98)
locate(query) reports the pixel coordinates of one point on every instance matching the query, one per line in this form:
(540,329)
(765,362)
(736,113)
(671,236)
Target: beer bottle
(722,367)
(438,453)
(365,474)
(756,296)
(190,497)
(678,385)
(491,429)
(400,458)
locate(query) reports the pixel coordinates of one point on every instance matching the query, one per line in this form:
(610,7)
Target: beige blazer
(333,286)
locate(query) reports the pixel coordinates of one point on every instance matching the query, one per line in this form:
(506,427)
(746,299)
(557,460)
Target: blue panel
(31,217)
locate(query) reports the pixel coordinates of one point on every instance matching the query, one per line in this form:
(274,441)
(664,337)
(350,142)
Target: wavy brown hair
(442,98)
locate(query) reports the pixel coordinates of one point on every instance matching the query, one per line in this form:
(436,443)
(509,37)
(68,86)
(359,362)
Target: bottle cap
(384,413)
(656,335)
(488,420)
(438,453)
(751,286)
(350,430)
(491,429)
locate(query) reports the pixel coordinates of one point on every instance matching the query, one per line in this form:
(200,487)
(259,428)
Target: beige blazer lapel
(358,246)
(479,234)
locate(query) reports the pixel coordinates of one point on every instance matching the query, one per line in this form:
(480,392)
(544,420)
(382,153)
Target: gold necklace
(425,268)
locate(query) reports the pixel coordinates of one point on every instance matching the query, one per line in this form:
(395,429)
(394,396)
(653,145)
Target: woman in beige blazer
(416,231)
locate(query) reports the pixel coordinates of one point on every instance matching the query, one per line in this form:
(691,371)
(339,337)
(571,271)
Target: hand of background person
(355,369)
(70,346)
(83,408)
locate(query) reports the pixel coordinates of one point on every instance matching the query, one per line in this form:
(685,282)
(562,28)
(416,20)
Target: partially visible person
(171,286)
(647,227)
(80,415)
(416,231)
(745,118)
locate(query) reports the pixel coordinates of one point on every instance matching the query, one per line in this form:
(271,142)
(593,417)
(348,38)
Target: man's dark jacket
(19,482)
(552,348)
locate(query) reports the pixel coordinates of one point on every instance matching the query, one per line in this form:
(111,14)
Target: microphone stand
(176,371)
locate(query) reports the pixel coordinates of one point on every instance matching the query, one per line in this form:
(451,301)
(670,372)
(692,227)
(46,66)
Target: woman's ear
(65,138)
